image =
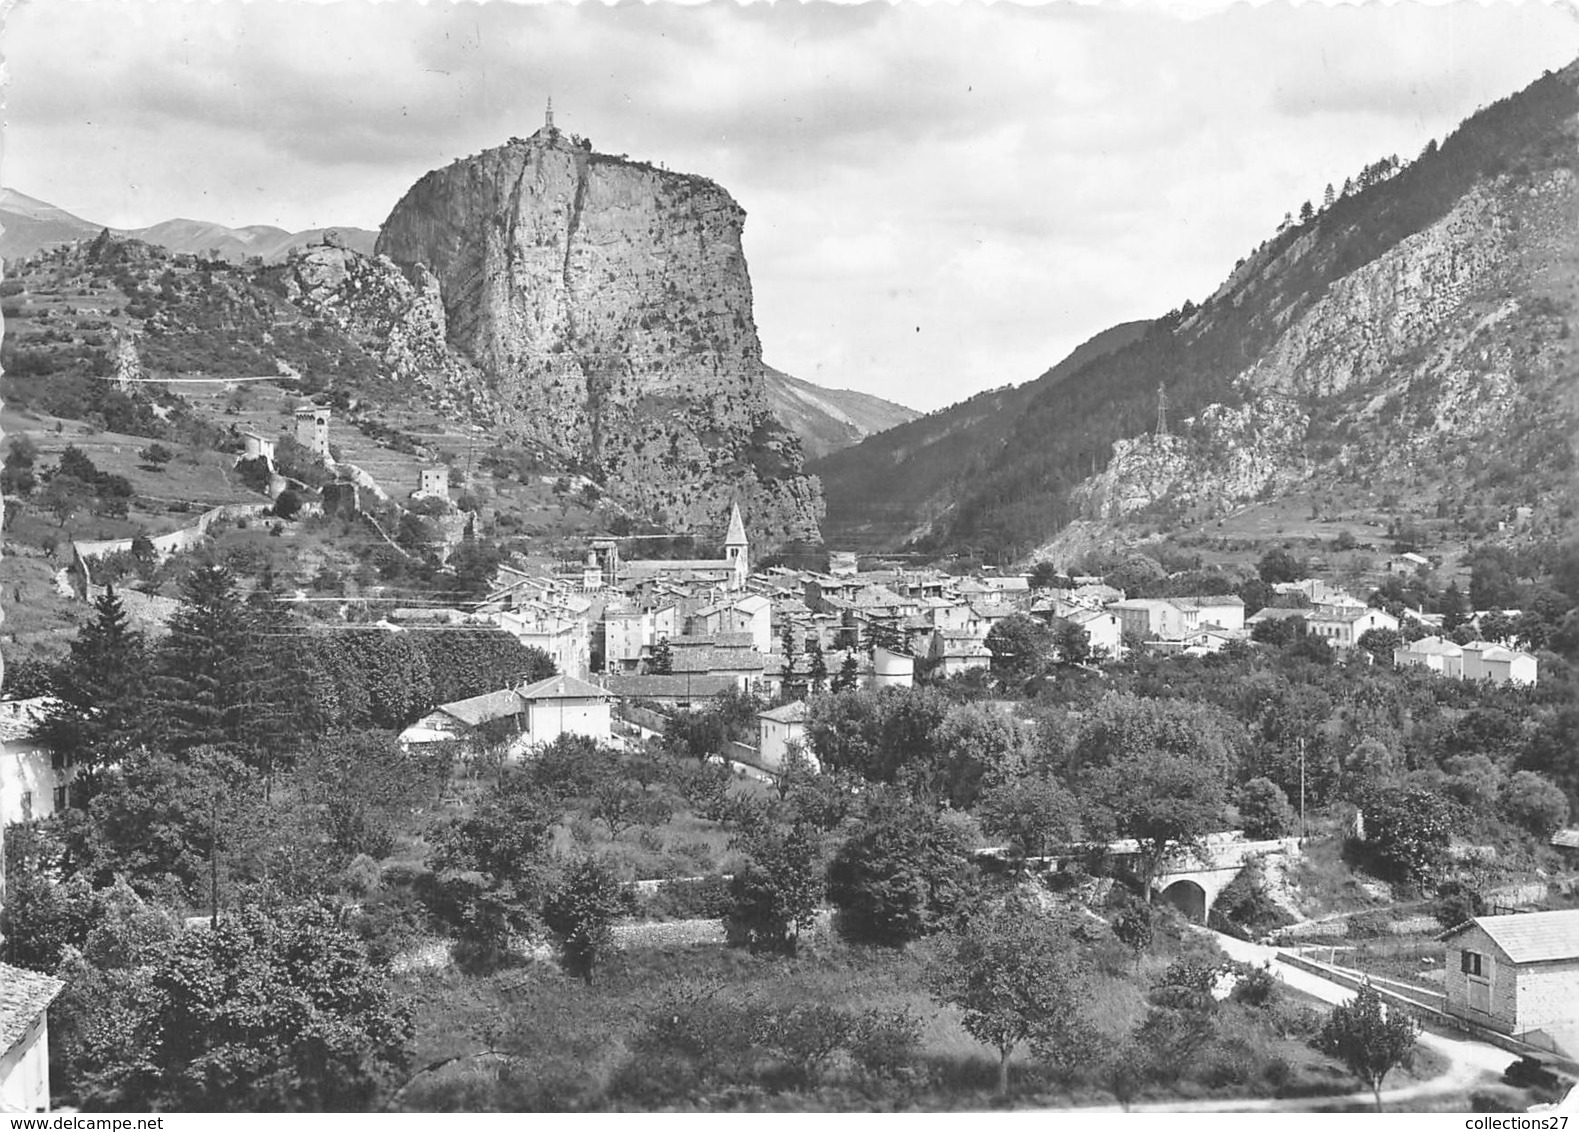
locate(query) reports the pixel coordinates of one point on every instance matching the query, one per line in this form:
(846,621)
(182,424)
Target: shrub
(1369,925)
(1264,810)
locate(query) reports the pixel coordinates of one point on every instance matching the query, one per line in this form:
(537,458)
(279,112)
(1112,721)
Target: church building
(730,571)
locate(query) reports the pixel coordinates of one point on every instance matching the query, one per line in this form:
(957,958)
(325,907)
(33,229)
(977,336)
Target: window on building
(1469,962)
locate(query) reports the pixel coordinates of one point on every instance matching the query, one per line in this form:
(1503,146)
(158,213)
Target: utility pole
(1302,791)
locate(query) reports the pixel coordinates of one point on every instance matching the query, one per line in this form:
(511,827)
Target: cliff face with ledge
(607,306)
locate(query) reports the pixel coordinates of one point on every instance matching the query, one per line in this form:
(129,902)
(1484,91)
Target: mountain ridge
(30,225)
(1013,480)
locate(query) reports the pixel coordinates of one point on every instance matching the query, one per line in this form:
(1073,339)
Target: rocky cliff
(608,306)
(398,320)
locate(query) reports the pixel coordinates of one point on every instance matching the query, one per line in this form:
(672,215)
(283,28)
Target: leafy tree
(1457,902)
(1264,810)
(581,911)
(100,690)
(776,895)
(1380,643)
(367,784)
(270,1011)
(1307,213)
(906,872)
(1021,647)
(156,455)
(1044,574)
(1032,812)
(1278,565)
(620,798)
(972,745)
(662,662)
(1369,1038)
(1014,972)
(1071,642)
(17,477)
(1279,631)
(1535,803)
(876,732)
(1407,830)
(1166,802)
(65,496)
(44,913)
(96,1024)
(1496,626)
(492,864)
(1120,725)
(162,821)
(74,462)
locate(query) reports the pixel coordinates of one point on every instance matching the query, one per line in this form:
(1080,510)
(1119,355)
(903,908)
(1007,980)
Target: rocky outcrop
(607,303)
(397,318)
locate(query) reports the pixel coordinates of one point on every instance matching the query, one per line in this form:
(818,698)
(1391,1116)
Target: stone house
(564,705)
(777,729)
(1342,627)
(953,653)
(24,1038)
(1519,975)
(1104,631)
(1486,661)
(1174,618)
(1435,653)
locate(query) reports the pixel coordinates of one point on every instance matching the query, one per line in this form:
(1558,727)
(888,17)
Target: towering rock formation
(608,304)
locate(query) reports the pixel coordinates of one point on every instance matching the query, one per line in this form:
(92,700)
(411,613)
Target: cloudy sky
(942,199)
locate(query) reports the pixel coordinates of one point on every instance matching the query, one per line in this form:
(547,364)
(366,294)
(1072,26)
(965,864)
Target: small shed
(1518,974)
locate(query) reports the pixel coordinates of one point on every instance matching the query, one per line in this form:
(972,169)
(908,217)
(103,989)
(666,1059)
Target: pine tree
(817,668)
(1348,186)
(662,662)
(849,674)
(1307,212)
(205,681)
(100,711)
(275,710)
(1328,196)
(792,678)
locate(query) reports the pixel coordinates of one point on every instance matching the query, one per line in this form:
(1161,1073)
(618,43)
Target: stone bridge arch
(1188,897)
